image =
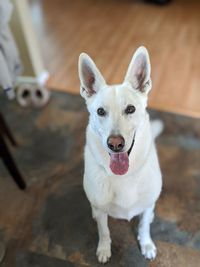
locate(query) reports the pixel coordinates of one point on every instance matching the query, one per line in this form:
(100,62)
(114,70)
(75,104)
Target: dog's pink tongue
(119,163)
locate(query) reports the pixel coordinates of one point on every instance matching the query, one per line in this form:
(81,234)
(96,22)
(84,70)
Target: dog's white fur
(134,193)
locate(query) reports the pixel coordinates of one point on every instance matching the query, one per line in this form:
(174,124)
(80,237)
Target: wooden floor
(110,30)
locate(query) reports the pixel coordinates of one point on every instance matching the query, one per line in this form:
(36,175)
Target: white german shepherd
(122,176)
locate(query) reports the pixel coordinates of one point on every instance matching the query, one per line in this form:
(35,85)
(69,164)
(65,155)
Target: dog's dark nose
(116,143)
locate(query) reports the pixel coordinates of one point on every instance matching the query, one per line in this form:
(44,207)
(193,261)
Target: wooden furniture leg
(6,131)
(10,164)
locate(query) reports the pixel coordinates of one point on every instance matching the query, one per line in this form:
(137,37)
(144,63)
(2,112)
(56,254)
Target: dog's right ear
(90,77)
(138,74)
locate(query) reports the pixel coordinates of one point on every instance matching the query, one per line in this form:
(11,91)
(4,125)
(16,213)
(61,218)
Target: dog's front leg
(104,245)
(148,247)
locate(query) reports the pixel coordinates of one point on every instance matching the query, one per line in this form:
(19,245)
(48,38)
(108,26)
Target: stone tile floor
(50,224)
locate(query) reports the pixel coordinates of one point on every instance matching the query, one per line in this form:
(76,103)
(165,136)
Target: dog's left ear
(138,74)
(90,77)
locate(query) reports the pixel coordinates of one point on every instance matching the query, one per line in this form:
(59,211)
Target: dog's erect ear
(138,73)
(90,77)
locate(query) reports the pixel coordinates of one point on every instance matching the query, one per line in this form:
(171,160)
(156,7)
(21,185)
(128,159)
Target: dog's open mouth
(119,162)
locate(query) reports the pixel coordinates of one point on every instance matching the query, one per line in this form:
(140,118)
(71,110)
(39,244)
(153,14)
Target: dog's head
(116,110)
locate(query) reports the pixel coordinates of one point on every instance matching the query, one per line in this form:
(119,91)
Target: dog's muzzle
(119,161)
(130,149)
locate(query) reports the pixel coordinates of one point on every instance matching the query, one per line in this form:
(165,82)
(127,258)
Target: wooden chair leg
(10,164)
(5,130)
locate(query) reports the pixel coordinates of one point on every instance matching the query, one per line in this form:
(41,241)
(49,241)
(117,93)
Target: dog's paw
(103,253)
(149,250)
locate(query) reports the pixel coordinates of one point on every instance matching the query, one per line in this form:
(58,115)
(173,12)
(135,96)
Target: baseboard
(40,79)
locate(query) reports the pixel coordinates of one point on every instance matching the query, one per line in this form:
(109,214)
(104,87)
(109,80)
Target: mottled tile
(28,259)
(166,231)
(132,257)
(51,222)
(171,255)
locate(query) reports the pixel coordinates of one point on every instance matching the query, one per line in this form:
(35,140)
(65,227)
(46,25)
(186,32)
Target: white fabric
(10,64)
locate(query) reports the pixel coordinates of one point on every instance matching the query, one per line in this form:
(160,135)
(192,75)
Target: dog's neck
(142,145)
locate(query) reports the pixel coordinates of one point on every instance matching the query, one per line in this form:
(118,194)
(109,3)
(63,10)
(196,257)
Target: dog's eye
(101,112)
(130,109)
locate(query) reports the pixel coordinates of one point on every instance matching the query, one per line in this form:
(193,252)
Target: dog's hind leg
(104,245)
(148,247)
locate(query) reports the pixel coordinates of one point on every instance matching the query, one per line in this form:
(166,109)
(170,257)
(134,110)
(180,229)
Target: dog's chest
(124,193)
(127,199)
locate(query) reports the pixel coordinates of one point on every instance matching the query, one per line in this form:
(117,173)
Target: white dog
(122,176)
